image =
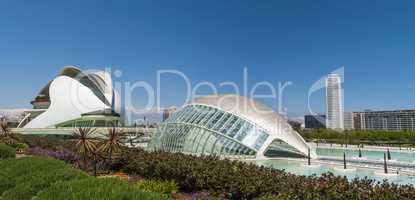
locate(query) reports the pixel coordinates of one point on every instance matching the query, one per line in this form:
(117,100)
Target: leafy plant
(113,142)
(162,187)
(97,189)
(86,143)
(23,178)
(272,197)
(20,147)
(239,180)
(6,135)
(361,137)
(7,152)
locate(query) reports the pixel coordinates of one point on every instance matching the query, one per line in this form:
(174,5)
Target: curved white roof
(74,93)
(260,115)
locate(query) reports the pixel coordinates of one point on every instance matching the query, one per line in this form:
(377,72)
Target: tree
(6,135)
(86,143)
(112,142)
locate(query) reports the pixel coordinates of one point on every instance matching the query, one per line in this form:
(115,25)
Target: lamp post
(344,160)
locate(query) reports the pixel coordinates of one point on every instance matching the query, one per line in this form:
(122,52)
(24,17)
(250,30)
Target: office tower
(334,101)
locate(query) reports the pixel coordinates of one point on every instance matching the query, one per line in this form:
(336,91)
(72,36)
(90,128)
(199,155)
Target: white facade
(348,121)
(334,101)
(74,93)
(229,125)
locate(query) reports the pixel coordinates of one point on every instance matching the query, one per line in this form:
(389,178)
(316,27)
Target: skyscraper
(334,101)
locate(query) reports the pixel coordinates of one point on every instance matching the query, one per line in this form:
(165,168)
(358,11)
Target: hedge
(23,178)
(162,187)
(47,178)
(239,180)
(97,189)
(20,146)
(7,152)
(360,137)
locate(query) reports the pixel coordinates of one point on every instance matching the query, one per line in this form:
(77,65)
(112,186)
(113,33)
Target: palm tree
(86,143)
(6,135)
(113,142)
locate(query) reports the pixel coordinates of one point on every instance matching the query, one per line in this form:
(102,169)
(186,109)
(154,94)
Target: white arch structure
(228,125)
(74,93)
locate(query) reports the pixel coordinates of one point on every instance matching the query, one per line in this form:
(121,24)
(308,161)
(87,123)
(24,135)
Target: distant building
(348,121)
(334,99)
(396,120)
(168,112)
(315,121)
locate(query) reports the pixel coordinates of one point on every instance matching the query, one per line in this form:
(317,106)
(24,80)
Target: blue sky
(208,40)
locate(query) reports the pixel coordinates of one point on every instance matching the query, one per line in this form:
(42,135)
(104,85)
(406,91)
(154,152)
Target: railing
(69,131)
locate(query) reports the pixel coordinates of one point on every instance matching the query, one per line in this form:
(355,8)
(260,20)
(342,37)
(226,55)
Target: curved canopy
(259,114)
(230,125)
(74,93)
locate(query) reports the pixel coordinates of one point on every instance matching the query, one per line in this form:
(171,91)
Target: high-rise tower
(334,101)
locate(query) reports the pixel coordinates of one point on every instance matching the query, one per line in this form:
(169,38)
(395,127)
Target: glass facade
(205,130)
(90,121)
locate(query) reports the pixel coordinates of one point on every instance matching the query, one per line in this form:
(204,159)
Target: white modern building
(334,101)
(386,120)
(348,121)
(75,98)
(229,125)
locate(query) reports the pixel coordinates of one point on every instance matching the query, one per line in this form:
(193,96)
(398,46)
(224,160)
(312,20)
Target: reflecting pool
(404,156)
(370,171)
(299,168)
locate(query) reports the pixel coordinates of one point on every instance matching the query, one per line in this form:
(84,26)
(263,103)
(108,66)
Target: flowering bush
(64,155)
(240,180)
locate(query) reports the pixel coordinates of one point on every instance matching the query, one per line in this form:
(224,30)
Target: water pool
(404,156)
(296,167)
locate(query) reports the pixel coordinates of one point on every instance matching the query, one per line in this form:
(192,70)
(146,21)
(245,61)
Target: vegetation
(97,189)
(46,178)
(86,143)
(112,144)
(7,136)
(22,178)
(20,147)
(7,152)
(240,180)
(360,137)
(169,172)
(163,187)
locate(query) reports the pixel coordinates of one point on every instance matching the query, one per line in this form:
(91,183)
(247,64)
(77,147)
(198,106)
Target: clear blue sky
(297,41)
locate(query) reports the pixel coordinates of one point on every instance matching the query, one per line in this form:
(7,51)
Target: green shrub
(360,137)
(23,178)
(272,197)
(20,146)
(7,152)
(96,189)
(239,180)
(157,186)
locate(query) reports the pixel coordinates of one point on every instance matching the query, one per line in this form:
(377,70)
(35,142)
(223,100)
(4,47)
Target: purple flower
(64,154)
